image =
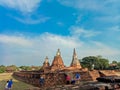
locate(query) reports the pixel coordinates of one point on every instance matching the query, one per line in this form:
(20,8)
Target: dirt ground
(17,85)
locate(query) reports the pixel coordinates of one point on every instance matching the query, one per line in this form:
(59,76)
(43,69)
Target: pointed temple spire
(58,52)
(57,63)
(74,52)
(75,61)
(46,62)
(46,59)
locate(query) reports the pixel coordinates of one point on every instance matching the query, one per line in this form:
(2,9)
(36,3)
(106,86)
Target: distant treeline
(13,68)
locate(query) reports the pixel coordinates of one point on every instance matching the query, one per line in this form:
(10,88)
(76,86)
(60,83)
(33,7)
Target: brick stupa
(75,62)
(46,63)
(57,63)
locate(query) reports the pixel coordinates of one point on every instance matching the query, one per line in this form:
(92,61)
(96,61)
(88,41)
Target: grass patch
(17,85)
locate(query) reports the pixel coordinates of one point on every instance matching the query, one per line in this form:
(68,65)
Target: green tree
(114,65)
(103,63)
(98,61)
(89,61)
(118,64)
(26,68)
(114,62)
(2,69)
(11,68)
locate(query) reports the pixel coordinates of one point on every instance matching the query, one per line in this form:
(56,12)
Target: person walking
(68,79)
(6,86)
(10,84)
(77,77)
(42,81)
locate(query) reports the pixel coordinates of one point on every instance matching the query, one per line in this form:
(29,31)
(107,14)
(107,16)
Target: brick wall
(53,78)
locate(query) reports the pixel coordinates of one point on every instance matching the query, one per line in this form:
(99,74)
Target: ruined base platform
(109,79)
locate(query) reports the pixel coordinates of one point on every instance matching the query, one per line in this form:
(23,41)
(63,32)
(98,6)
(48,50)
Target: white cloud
(105,50)
(103,11)
(109,19)
(60,23)
(78,31)
(86,4)
(34,50)
(25,6)
(94,5)
(15,40)
(95,48)
(58,41)
(44,40)
(30,20)
(115,28)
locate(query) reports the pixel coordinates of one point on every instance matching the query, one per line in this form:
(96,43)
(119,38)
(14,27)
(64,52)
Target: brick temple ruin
(58,64)
(54,74)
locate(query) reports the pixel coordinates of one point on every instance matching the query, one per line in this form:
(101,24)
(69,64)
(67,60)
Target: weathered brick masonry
(55,74)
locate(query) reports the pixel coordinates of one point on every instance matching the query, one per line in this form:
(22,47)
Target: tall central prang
(57,63)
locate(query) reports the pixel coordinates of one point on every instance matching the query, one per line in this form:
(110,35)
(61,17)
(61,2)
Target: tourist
(77,77)
(72,81)
(10,83)
(42,80)
(68,79)
(92,68)
(6,86)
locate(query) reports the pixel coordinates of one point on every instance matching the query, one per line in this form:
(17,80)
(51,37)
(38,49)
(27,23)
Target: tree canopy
(97,61)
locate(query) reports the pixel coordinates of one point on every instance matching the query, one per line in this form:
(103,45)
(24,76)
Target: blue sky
(30,30)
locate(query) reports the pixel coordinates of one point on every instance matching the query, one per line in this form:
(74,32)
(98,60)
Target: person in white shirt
(6,86)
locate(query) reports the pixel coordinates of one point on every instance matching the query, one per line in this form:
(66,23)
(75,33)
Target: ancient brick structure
(75,62)
(57,63)
(46,63)
(52,78)
(54,74)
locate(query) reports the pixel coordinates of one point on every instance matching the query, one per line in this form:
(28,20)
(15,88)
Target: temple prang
(46,63)
(58,52)
(58,63)
(75,62)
